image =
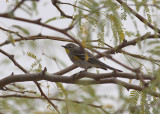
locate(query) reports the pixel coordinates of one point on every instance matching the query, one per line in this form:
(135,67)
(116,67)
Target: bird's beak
(64,46)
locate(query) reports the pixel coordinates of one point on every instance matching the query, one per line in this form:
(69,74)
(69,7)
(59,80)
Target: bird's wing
(95,62)
(84,55)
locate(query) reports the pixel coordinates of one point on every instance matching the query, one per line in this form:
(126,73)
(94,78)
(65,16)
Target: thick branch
(115,75)
(105,78)
(98,79)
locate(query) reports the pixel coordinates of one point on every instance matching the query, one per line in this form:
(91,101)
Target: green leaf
(148,14)
(11,40)
(54,18)
(60,87)
(31,55)
(34,5)
(117,28)
(134,97)
(35,63)
(24,30)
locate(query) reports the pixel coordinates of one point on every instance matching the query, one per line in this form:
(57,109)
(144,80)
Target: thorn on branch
(44,71)
(124,42)
(12,74)
(114,72)
(38,20)
(11,57)
(39,34)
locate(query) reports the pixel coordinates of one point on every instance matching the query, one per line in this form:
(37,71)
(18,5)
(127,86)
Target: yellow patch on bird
(86,57)
(67,51)
(76,58)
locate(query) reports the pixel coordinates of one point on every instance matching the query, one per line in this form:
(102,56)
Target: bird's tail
(105,67)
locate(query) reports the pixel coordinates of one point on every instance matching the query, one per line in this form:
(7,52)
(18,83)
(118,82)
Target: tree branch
(11,57)
(142,19)
(10,31)
(38,22)
(75,79)
(51,98)
(54,2)
(17,6)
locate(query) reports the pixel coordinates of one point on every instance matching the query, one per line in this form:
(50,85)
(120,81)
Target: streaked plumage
(84,59)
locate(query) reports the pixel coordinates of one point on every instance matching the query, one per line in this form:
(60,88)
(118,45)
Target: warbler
(84,59)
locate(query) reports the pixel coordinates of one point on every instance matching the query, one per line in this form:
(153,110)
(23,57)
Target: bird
(85,59)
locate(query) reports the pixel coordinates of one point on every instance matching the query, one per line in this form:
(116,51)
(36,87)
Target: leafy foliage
(36,63)
(22,29)
(99,25)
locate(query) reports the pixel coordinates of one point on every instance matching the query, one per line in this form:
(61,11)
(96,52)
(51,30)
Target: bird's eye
(70,46)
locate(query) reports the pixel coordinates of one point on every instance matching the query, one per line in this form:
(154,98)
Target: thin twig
(51,98)
(54,2)
(10,31)
(142,19)
(11,57)
(73,6)
(17,6)
(8,89)
(38,22)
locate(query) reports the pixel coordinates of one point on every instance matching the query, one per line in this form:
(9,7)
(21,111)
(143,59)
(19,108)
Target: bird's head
(70,47)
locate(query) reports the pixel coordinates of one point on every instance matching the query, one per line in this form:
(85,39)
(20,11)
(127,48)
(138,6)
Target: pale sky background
(46,12)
